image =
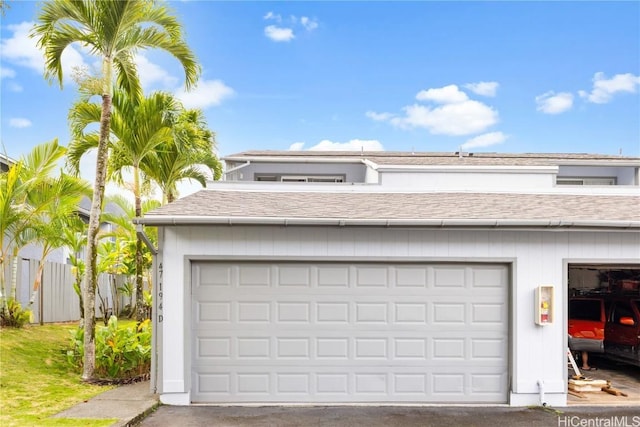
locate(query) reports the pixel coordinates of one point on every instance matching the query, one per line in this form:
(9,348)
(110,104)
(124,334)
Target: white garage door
(331,332)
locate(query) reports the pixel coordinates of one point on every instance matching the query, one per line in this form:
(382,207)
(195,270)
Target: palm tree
(115,31)
(126,238)
(59,198)
(74,236)
(21,204)
(188,155)
(4,6)
(138,126)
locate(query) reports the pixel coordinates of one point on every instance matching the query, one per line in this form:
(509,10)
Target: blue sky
(423,76)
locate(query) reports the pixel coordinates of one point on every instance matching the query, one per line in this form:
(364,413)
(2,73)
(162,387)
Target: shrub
(14,315)
(121,353)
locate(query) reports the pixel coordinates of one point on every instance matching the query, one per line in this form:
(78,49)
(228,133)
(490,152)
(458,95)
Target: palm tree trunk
(140,309)
(14,276)
(80,301)
(141,312)
(38,281)
(4,258)
(91,273)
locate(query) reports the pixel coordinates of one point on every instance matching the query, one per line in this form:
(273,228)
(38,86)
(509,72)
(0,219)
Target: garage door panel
(293,276)
(362,384)
(301,332)
(250,276)
(217,350)
(314,310)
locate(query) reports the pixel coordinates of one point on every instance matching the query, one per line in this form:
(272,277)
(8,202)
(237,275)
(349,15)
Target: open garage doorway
(604,324)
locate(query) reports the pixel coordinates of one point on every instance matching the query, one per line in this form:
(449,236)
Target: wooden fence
(56,300)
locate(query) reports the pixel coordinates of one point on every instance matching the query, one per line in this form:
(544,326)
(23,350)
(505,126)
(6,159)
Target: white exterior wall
(371,176)
(537,257)
(455,180)
(623,175)
(352,172)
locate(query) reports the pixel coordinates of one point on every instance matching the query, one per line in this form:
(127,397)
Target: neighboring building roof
(397,158)
(400,209)
(109,207)
(5,162)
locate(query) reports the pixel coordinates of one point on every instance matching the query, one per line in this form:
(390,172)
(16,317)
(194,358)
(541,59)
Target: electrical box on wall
(544,304)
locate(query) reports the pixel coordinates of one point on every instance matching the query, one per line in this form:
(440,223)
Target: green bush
(14,315)
(121,353)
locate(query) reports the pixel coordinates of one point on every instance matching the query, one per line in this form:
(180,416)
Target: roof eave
(163,220)
(299,159)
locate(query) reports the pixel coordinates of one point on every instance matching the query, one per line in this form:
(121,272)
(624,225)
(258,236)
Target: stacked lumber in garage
(587,385)
(579,386)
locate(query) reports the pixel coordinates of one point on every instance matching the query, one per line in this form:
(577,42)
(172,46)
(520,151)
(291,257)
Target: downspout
(157,283)
(541,390)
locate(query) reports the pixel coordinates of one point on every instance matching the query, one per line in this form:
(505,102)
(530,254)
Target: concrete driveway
(196,416)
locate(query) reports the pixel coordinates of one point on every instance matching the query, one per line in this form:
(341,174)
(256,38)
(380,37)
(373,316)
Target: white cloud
(444,95)
(272,16)
(21,50)
(604,89)
(206,94)
(483,88)
(19,122)
(485,140)
(554,103)
(462,118)
(353,145)
(279,34)
(456,114)
(308,23)
(284,31)
(151,73)
(379,117)
(6,73)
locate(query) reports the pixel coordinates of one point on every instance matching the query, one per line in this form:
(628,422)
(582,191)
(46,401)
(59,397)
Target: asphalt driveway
(392,416)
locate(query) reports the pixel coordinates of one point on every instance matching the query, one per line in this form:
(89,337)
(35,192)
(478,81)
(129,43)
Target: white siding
(538,353)
(623,175)
(456,180)
(352,172)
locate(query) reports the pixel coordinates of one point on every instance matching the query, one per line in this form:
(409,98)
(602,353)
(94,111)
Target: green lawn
(36,381)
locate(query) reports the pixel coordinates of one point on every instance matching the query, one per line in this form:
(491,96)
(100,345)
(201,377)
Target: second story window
(585,181)
(300,178)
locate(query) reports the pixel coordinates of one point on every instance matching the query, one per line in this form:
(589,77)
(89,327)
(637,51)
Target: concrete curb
(138,418)
(129,404)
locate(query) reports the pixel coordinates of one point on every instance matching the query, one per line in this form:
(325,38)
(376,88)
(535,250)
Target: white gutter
(294,159)
(609,162)
(145,239)
(244,165)
(7,160)
(371,164)
(159,220)
(469,168)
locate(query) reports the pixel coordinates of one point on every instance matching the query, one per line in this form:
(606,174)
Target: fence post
(41,298)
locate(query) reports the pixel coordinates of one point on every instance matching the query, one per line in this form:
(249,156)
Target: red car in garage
(587,319)
(608,324)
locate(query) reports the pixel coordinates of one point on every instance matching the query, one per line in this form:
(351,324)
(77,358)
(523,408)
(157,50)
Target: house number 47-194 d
(159,305)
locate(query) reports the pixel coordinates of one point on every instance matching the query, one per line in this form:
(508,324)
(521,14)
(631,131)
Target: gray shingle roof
(398,158)
(216,205)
